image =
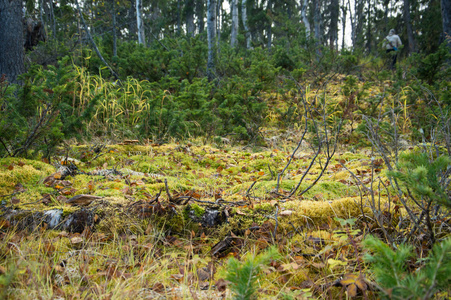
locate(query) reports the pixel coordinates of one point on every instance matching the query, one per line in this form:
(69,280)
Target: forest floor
(165,221)
(167,218)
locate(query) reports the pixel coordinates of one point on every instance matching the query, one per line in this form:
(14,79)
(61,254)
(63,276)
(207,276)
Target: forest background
(86,79)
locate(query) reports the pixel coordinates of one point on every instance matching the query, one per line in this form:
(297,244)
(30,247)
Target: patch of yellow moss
(322,211)
(29,174)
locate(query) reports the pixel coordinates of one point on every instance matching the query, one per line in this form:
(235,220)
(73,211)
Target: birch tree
(139,23)
(234,34)
(304,17)
(317,19)
(245,23)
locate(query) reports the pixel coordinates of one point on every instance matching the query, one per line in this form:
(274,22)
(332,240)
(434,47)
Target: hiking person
(392,43)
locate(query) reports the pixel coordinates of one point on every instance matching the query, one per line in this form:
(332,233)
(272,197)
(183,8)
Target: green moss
(198,210)
(29,174)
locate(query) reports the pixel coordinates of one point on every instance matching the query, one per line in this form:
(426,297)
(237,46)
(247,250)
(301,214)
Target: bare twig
(167,189)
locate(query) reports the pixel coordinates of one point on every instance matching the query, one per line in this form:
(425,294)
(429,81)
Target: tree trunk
(139,23)
(333,28)
(446,20)
(269,30)
(114,28)
(218,23)
(304,17)
(343,21)
(317,19)
(179,17)
(352,25)
(386,3)
(234,34)
(409,27)
(200,15)
(358,35)
(211,33)
(189,9)
(11,39)
(245,24)
(52,12)
(369,26)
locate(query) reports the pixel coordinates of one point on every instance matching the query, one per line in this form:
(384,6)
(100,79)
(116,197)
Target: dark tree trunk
(114,29)
(369,28)
(446,20)
(218,23)
(11,39)
(200,15)
(189,16)
(179,17)
(386,3)
(269,30)
(333,30)
(317,18)
(343,21)
(359,16)
(409,27)
(211,33)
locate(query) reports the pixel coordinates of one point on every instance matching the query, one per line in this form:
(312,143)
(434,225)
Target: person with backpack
(392,43)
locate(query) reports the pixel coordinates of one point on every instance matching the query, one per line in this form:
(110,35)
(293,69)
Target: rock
(286,213)
(76,242)
(211,217)
(78,221)
(53,217)
(82,200)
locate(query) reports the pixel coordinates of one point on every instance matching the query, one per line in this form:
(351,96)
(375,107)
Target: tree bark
(211,34)
(189,15)
(333,28)
(446,20)
(200,15)
(234,34)
(317,19)
(139,23)
(245,24)
(359,16)
(352,25)
(179,17)
(304,17)
(409,27)
(218,23)
(343,21)
(369,28)
(11,39)
(114,28)
(269,30)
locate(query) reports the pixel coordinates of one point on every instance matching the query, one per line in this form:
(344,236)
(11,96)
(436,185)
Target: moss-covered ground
(166,251)
(169,216)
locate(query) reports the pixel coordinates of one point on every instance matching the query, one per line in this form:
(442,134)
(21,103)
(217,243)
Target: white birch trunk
(304,17)
(234,34)
(139,23)
(246,27)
